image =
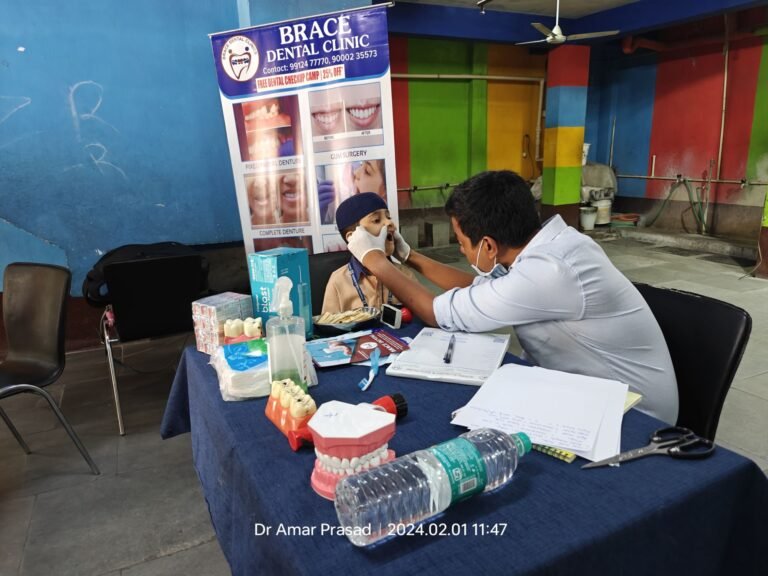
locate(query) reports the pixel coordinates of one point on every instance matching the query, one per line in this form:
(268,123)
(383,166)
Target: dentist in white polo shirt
(571,309)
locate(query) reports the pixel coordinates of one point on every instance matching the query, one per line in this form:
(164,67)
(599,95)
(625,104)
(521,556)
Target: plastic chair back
(706,340)
(321,266)
(34,316)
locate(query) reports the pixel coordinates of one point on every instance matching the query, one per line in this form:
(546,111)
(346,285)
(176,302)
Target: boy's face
(377,220)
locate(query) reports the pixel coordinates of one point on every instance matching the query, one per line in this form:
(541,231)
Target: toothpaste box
(210,313)
(266,267)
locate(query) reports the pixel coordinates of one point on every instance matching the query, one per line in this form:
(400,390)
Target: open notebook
(474,358)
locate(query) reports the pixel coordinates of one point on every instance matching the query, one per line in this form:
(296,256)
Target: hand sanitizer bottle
(285,337)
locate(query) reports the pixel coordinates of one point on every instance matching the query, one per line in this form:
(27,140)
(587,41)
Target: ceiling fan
(556,36)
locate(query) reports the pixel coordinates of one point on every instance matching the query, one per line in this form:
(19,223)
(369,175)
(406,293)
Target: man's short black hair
(498,204)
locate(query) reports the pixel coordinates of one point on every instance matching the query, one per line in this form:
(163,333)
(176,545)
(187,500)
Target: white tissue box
(243,370)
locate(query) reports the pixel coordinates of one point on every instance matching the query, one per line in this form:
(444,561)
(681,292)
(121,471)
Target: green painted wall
(757,163)
(478,112)
(448,118)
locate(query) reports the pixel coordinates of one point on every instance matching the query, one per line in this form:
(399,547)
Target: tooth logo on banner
(240,58)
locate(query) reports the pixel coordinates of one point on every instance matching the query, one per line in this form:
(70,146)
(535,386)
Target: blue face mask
(497,271)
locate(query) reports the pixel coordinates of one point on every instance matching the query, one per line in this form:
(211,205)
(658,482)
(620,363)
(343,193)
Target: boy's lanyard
(356,284)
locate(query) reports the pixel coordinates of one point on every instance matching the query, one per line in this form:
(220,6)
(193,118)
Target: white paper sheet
(578,413)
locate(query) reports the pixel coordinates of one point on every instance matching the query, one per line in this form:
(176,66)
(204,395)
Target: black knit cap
(357,207)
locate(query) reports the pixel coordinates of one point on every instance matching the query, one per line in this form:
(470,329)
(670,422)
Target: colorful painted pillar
(757,161)
(567,80)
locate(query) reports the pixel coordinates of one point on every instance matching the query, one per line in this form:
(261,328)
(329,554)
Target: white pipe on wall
(467,77)
(744,182)
(726,51)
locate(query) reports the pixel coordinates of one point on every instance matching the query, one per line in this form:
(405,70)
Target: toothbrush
(366,382)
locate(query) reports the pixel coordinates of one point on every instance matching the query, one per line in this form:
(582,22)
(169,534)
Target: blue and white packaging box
(266,267)
(210,313)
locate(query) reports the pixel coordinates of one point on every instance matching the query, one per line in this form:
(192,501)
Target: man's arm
(410,292)
(446,277)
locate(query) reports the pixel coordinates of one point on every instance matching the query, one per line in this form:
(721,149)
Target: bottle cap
(522,442)
(281,297)
(394,404)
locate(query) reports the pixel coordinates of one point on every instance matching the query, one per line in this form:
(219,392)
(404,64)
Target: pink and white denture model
(348,438)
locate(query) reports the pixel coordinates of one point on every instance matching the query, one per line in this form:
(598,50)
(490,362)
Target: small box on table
(266,267)
(210,313)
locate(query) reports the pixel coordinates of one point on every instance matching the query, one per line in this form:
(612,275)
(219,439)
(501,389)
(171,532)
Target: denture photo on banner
(260,244)
(346,117)
(333,243)
(268,128)
(337,182)
(277,198)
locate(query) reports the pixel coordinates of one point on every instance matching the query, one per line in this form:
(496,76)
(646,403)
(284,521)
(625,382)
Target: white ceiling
(568,8)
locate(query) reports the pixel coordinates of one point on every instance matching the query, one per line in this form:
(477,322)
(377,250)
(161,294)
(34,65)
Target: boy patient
(352,286)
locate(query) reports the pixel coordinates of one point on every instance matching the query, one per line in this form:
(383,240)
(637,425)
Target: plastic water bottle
(418,486)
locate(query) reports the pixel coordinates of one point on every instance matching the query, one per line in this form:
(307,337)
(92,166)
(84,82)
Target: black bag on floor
(95,290)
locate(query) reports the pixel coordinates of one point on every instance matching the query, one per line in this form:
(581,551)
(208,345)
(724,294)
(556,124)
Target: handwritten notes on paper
(576,437)
(568,411)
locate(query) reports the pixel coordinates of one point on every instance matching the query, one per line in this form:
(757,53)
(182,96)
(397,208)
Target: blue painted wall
(111,129)
(19,246)
(622,87)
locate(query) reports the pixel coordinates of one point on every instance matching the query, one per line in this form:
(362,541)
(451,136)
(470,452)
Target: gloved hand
(402,250)
(326,195)
(362,242)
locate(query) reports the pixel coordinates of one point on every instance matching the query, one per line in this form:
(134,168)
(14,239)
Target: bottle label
(464,466)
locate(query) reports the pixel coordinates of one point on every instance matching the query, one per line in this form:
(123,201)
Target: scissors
(676,441)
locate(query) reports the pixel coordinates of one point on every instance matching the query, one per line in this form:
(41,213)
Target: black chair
(150,297)
(321,266)
(34,312)
(706,340)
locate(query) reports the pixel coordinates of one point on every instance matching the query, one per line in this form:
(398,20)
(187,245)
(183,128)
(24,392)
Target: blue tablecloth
(653,516)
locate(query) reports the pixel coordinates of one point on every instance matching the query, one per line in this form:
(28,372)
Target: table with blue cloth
(654,516)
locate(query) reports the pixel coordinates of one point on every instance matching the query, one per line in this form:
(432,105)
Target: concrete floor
(145,514)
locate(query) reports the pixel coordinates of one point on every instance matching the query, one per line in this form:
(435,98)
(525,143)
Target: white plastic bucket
(603,211)
(587,217)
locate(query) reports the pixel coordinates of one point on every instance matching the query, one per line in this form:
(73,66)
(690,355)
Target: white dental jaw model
(348,438)
(237,330)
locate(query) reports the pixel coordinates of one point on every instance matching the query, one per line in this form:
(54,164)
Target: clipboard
(475,357)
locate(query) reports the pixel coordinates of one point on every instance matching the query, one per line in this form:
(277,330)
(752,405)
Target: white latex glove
(402,250)
(361,242)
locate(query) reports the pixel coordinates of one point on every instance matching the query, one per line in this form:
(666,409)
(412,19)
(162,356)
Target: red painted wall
(743,66)
(686,114)
(568,66)
(398,59)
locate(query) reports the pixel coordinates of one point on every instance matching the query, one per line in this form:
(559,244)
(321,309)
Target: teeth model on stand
(288,406)
(236,330)
(348,438)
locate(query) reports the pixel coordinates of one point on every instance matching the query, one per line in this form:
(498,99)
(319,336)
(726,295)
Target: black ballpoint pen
(449,352)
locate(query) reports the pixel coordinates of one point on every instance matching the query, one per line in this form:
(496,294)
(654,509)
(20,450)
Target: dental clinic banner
(308,111)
